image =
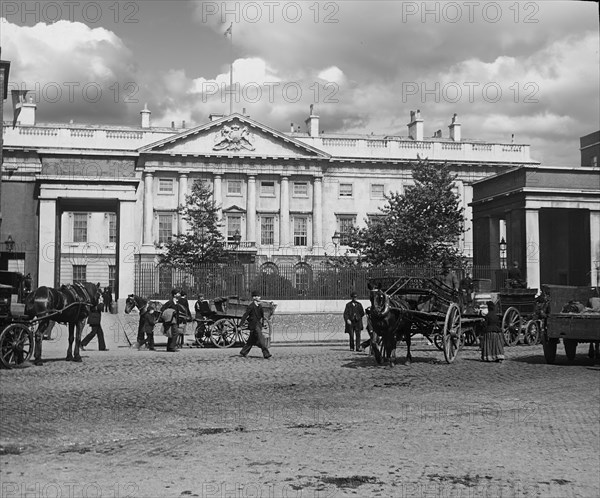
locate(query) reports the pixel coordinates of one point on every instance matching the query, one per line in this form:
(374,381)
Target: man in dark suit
(255,316)
(353,314)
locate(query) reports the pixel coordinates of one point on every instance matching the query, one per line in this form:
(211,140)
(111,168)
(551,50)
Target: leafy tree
(418,227)
(203,242)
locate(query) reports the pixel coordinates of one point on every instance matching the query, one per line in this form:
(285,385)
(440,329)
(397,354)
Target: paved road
(311,421)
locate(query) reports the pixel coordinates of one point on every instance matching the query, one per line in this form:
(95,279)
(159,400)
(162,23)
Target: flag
(18,98)
(228,31)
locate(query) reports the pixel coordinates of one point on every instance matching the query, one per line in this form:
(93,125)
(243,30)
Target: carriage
(431,309)
(220,325)
(16,336)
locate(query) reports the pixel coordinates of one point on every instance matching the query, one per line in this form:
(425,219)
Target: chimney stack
(454,129)
(415,127)
(183,124)
(291,127)
(145,116)
(27,113)
(312,123)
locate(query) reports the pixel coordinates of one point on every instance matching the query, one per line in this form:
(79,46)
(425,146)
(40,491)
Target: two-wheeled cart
(220,324)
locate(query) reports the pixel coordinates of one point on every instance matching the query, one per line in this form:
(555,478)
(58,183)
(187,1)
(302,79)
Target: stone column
(595,247)
(127,240)
(494,242)
(218,193)
(47,243)
(532,249)
(251,210)
(318,212)
(183,190)
(148,208)
(284,220)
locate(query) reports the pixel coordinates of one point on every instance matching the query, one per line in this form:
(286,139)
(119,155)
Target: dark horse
(70,305)
(387,321)
(141,304)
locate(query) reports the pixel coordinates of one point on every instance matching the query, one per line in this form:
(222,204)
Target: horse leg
(78,328)
(38,338)
(71,337)
(408,343)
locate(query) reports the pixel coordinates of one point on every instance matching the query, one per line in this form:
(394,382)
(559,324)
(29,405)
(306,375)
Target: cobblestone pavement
(311,421)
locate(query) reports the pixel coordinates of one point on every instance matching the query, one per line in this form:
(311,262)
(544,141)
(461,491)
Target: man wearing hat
(255,316)
(353,314)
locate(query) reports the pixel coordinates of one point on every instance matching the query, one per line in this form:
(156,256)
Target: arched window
(269,268)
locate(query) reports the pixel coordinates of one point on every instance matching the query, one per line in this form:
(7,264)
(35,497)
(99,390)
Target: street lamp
(502,245)
(9,243)
(336,241)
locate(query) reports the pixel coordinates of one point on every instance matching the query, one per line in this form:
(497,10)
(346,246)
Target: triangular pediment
(234,209)
(233,136)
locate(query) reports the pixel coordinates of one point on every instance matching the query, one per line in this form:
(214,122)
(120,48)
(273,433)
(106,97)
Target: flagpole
(231,68)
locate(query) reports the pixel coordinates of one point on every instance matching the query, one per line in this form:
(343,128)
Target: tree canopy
(203,241)
(420,226)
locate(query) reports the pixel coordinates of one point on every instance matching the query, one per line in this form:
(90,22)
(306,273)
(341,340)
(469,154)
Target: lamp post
(336,241)
(502,245)
(9,243)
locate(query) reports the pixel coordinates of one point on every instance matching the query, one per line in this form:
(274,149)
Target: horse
(144,306)
(69,305)
(387,321)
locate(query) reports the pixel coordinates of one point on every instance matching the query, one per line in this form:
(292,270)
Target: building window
(300,189)
(80,227)
(300,231)
(377,191)
(267,189)
(346,223)
(374,218)
(165,228)
(234,224)
(345,190)
(234,187)
(112,227)
(165,185)
(267,230)
(112,271)
(79,273)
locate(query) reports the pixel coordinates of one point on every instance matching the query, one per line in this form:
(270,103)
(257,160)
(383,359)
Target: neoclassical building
(88,202)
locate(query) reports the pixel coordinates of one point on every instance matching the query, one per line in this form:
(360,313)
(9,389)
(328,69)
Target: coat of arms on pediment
(234,137)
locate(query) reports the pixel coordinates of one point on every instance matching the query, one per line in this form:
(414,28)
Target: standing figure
(185,317)
(172,320)
(95,321)
(515,279)
(256,317)
(466,289)
(492,341)
(146,328)
(353,313)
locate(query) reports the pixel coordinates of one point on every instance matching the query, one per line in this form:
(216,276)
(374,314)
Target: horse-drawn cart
(220,322)
(16,338)
(520,316)
(423,306)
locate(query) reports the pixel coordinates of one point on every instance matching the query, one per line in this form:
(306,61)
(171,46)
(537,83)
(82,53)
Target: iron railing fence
(284,281)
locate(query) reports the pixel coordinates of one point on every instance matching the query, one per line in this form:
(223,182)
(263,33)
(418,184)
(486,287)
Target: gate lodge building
(85,202)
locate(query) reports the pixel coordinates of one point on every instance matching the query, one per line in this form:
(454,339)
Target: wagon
(16,337)
(521,319)
(572,327)
(220,322)
(433,309)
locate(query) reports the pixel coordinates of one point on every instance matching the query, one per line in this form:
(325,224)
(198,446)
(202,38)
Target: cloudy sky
(523,68)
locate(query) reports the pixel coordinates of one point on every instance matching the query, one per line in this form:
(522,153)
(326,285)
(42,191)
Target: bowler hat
(353,294)
(255,293)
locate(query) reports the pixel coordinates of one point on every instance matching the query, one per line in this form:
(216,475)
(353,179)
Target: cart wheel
(438,340)
(532,332)
(202,334)
(511,326)
(452,333)
(570,348)
(223,333)
(470,339)
(16,344)
(242,334)
(549,346)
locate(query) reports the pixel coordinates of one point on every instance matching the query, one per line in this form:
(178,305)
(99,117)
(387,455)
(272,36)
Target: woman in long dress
(492,342)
